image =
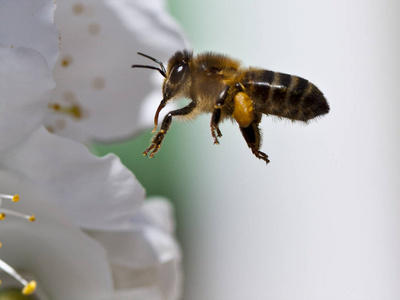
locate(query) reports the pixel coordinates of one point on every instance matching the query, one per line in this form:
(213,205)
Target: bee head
(177,79)
(177,76)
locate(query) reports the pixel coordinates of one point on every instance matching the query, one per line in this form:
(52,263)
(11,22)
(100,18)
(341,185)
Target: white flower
(98,95)
(32,26)
(52,250)
(146,259)
(30,151)
(140,263)
(68,188)
(96,192)
(28,51)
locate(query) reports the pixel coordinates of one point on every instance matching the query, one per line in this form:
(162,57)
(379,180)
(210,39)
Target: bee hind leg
(252,135)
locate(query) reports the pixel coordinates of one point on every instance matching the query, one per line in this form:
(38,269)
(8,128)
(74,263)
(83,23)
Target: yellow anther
(2,216)
(32,218)
(74,110)
(162,131)
(54,106)
(30,288)
(14,198)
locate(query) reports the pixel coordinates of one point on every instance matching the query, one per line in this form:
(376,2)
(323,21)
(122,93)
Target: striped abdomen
(284,95)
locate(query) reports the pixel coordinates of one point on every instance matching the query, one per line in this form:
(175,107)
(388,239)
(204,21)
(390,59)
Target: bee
(220,85)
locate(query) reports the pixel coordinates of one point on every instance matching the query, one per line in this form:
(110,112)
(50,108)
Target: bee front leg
(155,144)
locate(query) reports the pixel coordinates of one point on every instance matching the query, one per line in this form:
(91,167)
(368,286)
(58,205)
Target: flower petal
(25,85)
(67,263)
(26,23)
(97,193)
(99,44)
(142,293)
(147,256)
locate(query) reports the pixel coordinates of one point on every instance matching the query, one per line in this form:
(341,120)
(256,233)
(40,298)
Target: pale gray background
(322,220)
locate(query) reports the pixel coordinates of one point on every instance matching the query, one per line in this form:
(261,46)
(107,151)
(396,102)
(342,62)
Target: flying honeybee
(219,85)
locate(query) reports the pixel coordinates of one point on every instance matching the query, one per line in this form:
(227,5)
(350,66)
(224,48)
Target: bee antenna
(150,67)
(162,70)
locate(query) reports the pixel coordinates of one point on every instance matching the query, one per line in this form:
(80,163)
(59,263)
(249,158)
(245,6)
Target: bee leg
(252,136)
(215,132)
(155,144)
(216,115)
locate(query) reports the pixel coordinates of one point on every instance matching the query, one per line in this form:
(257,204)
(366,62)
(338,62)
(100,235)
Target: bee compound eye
(177,73)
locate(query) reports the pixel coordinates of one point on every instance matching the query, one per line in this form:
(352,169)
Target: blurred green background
(166,174)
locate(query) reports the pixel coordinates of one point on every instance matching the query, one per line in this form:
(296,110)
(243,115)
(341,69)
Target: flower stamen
(29,286)
(14,198)
(74,110)
(5,212)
